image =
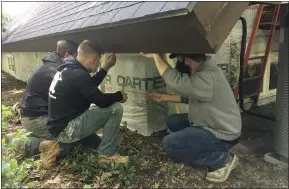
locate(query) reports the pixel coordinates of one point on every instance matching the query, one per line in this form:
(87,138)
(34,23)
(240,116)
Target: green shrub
(6,115)
(15,170)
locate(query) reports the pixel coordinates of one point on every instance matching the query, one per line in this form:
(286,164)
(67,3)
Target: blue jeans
(193,144)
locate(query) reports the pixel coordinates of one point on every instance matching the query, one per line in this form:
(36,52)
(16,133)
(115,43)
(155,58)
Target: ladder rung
(256,57)
(268,11)
(251,94)
(252,78)
(269,23)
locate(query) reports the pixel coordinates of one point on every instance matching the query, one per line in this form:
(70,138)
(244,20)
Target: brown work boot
(49,151)
(27,148)
(114,158)
(9,137)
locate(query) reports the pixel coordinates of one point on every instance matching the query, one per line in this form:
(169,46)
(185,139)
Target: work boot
(10,136)
(49,151)
(222,174)
(29,148)
(113,159)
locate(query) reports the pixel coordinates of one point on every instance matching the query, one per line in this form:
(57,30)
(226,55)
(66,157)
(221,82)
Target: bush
(119,174)
(6,115)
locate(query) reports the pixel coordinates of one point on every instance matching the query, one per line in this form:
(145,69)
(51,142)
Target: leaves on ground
(149,165)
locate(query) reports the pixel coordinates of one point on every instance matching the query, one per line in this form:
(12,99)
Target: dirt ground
(12,89)
(151,167)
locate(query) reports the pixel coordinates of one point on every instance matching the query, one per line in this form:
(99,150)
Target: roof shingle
(148,8)
(53,17)
(126,13)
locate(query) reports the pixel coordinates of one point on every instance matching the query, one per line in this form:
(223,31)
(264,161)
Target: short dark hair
(64,46)
(72,47)
(195,57)
(88,47)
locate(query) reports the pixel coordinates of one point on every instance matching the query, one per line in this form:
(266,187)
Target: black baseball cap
(196,57)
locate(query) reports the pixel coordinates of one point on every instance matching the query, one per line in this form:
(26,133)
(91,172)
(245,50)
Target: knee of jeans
(167,143)
(117,109)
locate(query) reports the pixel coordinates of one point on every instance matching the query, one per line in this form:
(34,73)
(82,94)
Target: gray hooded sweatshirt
(212,105)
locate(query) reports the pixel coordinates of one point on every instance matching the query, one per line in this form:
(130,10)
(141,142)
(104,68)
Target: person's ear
(74,55)
(66,55)
(187,61)
(91,61)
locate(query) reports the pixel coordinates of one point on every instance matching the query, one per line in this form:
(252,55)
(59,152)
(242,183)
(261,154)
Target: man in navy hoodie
(71,116)
(34,104)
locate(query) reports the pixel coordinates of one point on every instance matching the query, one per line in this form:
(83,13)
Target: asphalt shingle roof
(48,18)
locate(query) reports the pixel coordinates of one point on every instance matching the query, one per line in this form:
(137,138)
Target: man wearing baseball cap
(212,125)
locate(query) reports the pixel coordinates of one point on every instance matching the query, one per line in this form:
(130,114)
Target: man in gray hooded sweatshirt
(213,123)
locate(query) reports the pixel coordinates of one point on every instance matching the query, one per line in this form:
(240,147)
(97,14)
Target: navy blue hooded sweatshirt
(71,93)
(35,100)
